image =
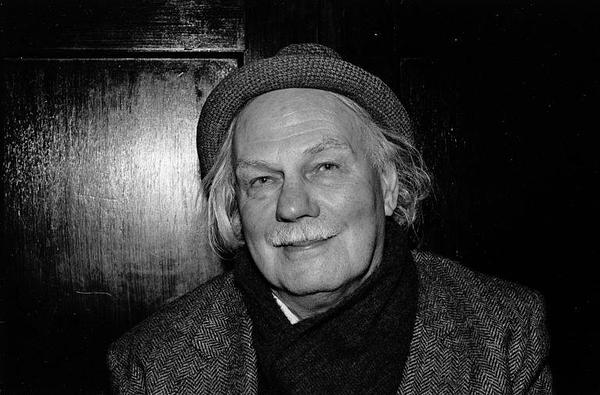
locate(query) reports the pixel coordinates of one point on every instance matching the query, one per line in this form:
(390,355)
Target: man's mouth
(306,243)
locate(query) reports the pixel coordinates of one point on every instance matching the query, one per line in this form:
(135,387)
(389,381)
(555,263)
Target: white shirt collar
(292,318)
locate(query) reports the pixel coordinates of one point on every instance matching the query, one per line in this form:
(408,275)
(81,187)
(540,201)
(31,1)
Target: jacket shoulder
(180,317)
(206,320)
(465,291)
(471,325)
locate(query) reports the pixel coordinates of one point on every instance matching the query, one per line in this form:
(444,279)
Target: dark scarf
(358,346)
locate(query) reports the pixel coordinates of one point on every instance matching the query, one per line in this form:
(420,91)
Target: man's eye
(259,181)
(327,166)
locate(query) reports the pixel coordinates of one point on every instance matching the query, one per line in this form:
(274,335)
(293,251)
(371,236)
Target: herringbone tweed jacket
(473,335)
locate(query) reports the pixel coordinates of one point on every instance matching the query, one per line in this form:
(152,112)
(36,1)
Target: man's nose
(295,202)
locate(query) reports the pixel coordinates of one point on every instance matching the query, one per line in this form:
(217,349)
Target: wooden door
(101,186)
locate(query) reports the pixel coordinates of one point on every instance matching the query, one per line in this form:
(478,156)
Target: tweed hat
(296,66)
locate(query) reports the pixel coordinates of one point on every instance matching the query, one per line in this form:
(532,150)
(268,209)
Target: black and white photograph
(299,197)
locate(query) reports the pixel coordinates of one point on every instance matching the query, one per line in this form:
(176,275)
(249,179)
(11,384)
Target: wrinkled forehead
(301,108)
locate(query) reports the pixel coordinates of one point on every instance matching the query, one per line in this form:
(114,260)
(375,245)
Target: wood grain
(131,26)
(101,218)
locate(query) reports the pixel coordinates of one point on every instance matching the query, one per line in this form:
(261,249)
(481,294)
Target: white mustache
(301,232)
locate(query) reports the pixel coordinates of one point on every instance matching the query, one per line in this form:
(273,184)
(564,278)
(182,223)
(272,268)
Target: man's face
(312,206)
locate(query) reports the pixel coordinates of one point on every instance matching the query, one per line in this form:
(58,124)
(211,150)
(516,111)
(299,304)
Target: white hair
(219,184)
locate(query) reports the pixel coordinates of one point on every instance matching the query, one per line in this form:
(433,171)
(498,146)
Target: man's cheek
(352,203)
(254,223)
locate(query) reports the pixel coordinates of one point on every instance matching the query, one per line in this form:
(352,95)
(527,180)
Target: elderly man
(312,181)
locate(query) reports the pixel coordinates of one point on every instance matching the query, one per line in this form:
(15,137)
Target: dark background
(504,95)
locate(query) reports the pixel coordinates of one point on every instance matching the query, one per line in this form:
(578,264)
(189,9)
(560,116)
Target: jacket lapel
(438,361)
(223,341)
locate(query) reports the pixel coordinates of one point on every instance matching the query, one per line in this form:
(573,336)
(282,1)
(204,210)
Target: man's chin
(312,287)
(306,300)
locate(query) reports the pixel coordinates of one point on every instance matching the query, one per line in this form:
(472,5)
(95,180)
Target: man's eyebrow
(244,164)
(326,144)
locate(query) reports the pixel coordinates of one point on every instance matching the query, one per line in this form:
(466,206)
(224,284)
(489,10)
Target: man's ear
(390,187)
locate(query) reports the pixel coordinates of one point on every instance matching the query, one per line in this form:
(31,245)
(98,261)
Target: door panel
(133,26)
(101,213)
